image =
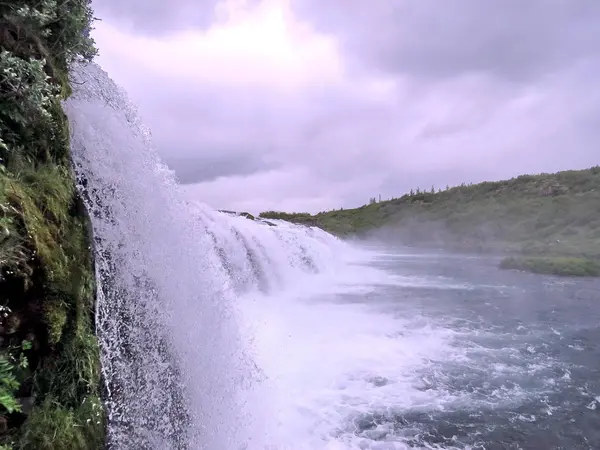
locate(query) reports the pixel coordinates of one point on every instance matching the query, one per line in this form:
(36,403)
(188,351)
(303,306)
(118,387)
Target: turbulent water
(219,332)
(173,278)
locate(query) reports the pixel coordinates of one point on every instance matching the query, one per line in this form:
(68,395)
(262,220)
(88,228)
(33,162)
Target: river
(406,349)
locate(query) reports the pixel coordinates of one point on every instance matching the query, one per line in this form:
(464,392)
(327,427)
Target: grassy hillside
(546,214)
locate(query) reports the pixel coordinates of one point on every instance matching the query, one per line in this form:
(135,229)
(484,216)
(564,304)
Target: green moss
(55,318)
(570,267)
(39,202)
(299,218)
(51,426)
(75,372)
(46,266)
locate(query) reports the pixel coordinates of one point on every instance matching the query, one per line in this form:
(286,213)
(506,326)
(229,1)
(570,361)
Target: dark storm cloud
(195,169)
(512,39)
(203,133)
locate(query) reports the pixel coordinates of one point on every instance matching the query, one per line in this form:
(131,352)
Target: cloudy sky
(306,105)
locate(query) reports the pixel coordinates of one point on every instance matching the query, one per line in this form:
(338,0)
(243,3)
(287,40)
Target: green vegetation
(49,356)
(300,218)
(571,267)
(550,215)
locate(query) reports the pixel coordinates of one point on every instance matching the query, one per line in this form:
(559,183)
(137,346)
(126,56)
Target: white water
(217,331)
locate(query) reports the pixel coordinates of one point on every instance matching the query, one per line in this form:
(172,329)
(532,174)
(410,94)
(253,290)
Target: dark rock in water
(271,224)
(307,260)
(378,381)
(254,259)
(247,215)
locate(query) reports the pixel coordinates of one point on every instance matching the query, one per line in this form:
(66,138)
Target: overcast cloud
(317,104)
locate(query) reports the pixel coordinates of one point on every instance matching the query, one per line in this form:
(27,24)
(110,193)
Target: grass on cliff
(548,215)
(52,426)
(36,202)
(49,285)
(50,393)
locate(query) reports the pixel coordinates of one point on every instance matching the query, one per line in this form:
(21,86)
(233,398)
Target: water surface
(404,349)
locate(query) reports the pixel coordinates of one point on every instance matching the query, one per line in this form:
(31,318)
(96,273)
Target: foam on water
(327,365)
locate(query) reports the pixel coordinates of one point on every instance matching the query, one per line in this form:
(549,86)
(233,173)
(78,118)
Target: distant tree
(432,189)
(412,193)
(372,200)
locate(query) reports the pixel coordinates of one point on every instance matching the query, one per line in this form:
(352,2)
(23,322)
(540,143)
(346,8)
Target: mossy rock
(47,288)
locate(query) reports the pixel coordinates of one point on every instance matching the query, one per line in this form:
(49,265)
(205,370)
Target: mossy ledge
(49,357)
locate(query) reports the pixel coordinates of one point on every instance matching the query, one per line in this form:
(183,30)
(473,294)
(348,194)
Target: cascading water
(223,333)
(174,360)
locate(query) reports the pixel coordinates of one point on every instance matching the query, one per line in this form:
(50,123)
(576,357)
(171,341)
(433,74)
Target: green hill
(537,215)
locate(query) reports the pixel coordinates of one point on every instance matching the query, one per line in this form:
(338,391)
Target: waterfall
(169,272)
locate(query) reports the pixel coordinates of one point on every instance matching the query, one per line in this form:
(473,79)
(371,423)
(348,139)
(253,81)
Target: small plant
(11,360)
(27,84)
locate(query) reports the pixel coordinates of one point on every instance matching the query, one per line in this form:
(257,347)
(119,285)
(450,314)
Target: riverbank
(549,217)
(561,266)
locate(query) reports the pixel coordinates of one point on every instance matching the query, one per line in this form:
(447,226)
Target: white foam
(326,364)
